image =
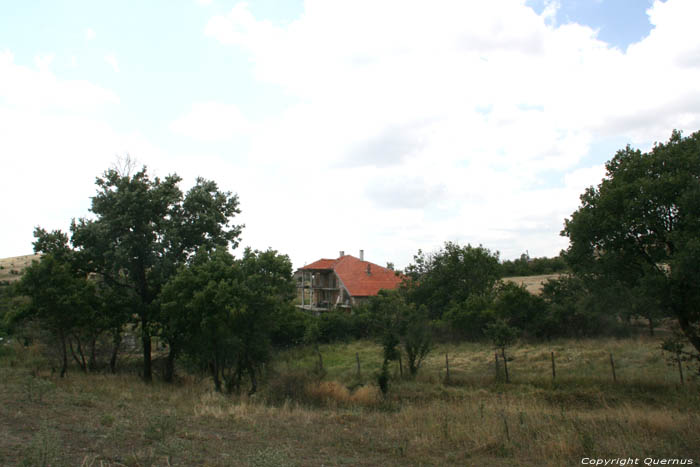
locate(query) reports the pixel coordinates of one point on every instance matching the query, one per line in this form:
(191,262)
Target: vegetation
(297,419)
(526,266)
(639,231)
(153,274)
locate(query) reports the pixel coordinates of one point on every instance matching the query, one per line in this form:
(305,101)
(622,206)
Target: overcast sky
(387,126)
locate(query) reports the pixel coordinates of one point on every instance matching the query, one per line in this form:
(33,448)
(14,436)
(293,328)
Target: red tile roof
(353,274)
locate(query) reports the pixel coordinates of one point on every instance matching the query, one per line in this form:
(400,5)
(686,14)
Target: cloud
(211,121)
(478,115)
(112,61)
(54,141)
(39,90)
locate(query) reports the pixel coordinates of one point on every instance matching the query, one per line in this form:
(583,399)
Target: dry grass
(11,268)
(533,284)
(103,420)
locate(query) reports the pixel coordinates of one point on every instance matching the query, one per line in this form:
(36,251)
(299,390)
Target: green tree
(502,335)
(222,311)
(451,274)
(60,297)
(520,308)
(144,229)
(399,322)
(640,227)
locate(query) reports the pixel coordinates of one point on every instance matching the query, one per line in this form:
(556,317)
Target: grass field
(300,419)
(11,268)
(533,284)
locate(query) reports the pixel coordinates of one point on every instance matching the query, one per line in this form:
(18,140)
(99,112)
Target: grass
(11,268)
(533,284)
(300,419)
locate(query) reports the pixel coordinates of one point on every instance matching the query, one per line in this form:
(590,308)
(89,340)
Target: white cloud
(112,61)
(39,89)
(54,142)
(458,118)
(211,121)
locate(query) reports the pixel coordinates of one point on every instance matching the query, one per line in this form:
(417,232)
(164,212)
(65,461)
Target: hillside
(11,268)
(533,284)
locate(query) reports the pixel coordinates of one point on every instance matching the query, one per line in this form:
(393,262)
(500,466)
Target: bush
(291,325)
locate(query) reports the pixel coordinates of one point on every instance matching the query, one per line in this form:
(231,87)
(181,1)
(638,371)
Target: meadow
(336,416)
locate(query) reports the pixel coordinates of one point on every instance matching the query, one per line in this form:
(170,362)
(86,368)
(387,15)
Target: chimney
(362,255)
(342,253)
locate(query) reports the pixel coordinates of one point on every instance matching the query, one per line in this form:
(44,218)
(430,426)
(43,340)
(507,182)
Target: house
(342,282)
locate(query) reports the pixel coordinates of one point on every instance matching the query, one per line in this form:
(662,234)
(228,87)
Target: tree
(400,322)
(59,296)
(640,227)
(221,311)
(521,309)
(144,229)
(451,274)
(502,335)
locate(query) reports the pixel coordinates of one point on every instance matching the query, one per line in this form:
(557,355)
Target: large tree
(143,229)
(222,311)
(451,275)
(640,228)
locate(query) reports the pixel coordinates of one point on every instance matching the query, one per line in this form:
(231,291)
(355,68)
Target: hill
(11,268)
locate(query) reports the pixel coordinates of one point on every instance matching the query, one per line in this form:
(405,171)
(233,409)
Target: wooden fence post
(505,364)
(498,376)
(357,356)
(554,371)
(680,368)
(447,366)
(612,365)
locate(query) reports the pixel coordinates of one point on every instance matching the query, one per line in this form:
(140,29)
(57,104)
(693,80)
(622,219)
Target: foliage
(575,309)
(640,227)
(526,266)
(221,311)
(144,230)
(468,318)
(520,308)
(501,333)
(60,297)
(451,274)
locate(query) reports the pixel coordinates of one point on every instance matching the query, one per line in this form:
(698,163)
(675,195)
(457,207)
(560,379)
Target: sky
(383,125)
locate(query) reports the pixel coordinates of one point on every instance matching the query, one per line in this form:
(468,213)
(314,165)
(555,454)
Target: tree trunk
(80,361)
(64,363)
(169,375)
(115,350)
(689,331)
(253,380)
(146,340)
(214,369)
(92,362)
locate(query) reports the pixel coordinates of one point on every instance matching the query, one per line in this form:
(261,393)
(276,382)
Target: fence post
(554,371)
(447,367)
(357,356)
(498,376)
(612,365)
(505,364)
(680,367)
